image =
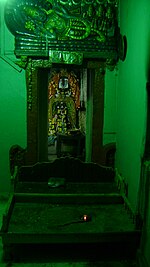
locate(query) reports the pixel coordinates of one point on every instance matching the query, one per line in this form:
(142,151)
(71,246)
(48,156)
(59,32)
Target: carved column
(98,111)
(33,92)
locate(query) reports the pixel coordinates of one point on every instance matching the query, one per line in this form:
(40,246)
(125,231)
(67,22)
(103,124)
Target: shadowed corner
(148,58)
(146,156)
(147,73)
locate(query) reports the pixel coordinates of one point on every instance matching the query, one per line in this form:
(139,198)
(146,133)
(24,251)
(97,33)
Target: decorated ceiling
(64,30)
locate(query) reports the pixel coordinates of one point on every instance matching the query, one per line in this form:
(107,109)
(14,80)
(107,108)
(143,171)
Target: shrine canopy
(65,31)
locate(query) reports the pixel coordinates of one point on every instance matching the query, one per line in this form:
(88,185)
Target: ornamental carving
(85,27)
(62,19)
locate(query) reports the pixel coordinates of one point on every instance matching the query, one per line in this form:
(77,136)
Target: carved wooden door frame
(35,142)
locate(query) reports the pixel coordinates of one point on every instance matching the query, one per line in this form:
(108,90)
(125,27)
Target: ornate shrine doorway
(62,100)
(77,34)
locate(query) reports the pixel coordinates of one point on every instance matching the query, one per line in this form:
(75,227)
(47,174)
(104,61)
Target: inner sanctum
(67,97)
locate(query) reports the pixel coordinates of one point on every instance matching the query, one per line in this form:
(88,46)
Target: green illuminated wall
(12,118)
(131,95)
(12,105)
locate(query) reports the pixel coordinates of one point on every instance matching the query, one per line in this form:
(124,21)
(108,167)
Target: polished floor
(74,263)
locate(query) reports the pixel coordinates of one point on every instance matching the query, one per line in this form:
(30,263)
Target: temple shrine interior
(75,133)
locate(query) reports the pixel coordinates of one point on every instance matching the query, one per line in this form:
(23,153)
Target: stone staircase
(80,215)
